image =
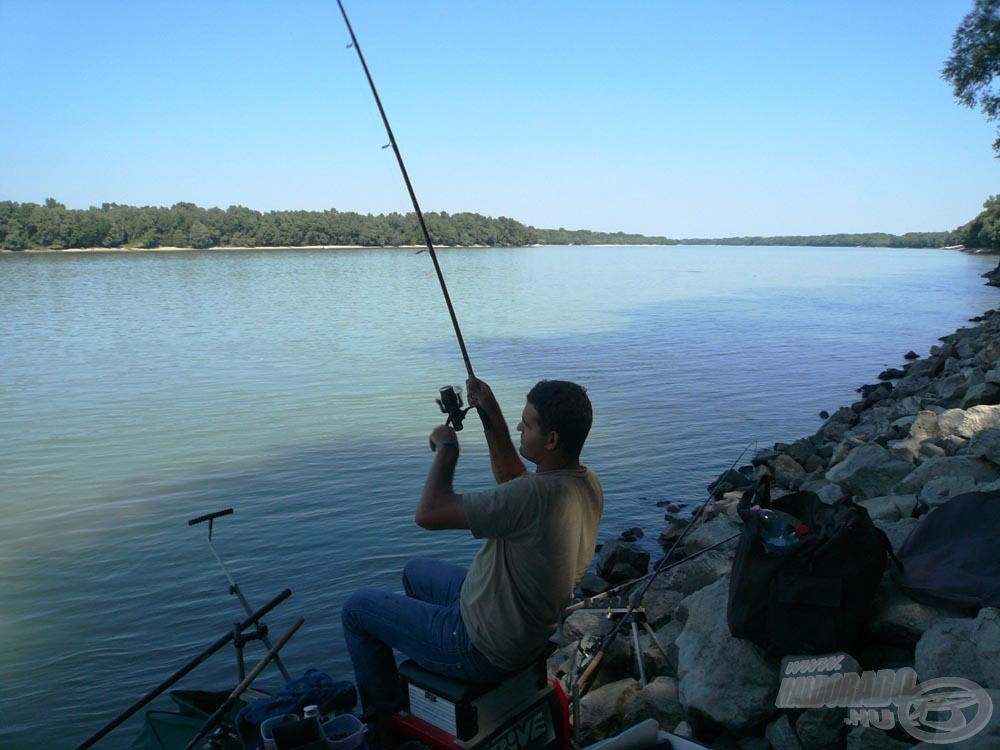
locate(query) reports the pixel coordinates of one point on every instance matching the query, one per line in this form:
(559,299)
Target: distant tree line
(869,239)
(26,226)
(982,233)
(30,226)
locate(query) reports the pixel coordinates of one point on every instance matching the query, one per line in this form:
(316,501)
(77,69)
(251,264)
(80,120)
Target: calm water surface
(297,387)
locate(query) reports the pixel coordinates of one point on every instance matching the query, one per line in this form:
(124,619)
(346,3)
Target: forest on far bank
(32,226)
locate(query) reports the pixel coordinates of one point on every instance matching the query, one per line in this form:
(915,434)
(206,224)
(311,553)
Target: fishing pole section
(449,399)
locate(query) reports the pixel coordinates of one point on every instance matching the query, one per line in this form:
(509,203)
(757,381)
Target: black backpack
(816,598)
(950,559)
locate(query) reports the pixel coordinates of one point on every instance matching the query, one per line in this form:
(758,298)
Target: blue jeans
(425,625)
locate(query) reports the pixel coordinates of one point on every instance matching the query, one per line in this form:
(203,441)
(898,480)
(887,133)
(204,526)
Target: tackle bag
(816,595)
(950,559)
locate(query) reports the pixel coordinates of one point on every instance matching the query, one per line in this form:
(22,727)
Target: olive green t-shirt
(540,532)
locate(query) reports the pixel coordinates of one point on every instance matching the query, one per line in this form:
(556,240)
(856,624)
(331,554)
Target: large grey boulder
(601,710)
(658,700)
(694,574)
(888,508)
(967,423)
(939,491)
(869,471)
(620,560)
(962,647)
(722,680)
(899,620)
(977,470)
(986,444)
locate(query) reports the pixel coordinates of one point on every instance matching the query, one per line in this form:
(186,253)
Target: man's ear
(552,441)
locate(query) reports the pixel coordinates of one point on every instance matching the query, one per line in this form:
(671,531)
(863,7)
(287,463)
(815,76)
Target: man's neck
(557,463)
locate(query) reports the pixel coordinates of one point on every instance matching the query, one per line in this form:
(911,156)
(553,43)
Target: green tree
(201,236)
(975,60)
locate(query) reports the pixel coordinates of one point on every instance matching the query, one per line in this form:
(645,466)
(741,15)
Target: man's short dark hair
(565,408)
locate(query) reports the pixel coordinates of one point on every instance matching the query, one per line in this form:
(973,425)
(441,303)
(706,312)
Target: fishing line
(413,196)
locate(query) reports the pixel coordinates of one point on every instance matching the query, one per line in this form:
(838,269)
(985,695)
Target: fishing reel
(451,404)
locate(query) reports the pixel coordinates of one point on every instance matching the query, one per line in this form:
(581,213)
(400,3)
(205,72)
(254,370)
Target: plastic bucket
(345,732)
(268,725)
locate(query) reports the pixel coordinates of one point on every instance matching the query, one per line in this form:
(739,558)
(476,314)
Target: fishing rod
(450,399)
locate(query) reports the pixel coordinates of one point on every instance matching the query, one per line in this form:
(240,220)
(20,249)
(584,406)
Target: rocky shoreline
(924,433)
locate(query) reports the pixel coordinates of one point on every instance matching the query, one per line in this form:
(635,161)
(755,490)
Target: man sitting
(487,623)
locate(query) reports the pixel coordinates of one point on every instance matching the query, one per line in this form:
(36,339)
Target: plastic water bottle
(312,712)
(780,532)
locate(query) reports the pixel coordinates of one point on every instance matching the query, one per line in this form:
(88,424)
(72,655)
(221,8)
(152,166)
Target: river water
(297,387)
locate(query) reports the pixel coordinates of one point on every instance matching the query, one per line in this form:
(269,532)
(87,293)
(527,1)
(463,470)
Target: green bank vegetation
(30,226)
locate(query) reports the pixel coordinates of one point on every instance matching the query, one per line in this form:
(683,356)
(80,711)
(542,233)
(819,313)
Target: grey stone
(939,491)
(601,710)
(620,561)
(899,620)
(831,493)
(722,679)
(781,735)
(822,728)
(660,605)
(966,423)
(981,393)
(931,450)
(925,425)
(947,650)
(978,470)
(986,445)
(694,574)
(986,636)
(658,700)
(869,471)
(704,535)
(907,449)
(897,531)
(786,470)
(883,508)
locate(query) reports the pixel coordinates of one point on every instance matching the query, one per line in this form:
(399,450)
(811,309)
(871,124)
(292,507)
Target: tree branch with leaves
(974,64)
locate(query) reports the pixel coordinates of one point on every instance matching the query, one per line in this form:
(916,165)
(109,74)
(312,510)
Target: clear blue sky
(683,118)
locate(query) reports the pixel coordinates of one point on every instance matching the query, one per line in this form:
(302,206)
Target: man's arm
(504,459)
(440,507)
